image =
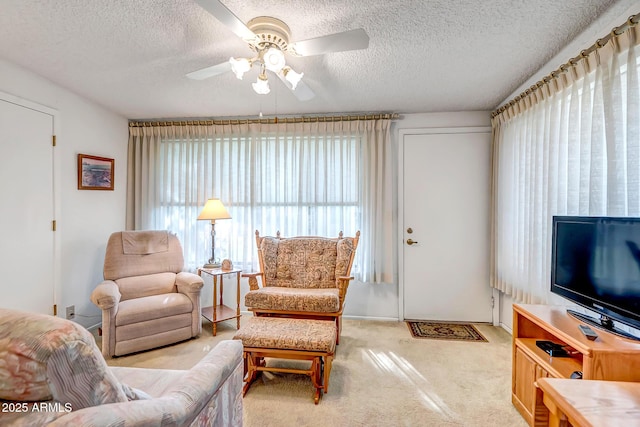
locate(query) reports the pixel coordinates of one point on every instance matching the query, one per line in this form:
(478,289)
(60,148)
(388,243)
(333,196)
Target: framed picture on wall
(95,173)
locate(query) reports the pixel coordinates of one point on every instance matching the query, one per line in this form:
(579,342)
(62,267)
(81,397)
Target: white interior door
(445,205)
(27,209)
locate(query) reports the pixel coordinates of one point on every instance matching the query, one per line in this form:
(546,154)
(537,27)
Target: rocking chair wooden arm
(253,279)
(343,284)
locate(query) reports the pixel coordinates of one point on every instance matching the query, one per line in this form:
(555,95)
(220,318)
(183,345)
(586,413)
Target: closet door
(27,208)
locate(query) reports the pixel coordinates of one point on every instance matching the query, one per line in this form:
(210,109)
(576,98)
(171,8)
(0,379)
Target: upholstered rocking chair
(302,277)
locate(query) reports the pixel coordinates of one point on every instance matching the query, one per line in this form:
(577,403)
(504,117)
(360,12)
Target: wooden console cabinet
(607,358)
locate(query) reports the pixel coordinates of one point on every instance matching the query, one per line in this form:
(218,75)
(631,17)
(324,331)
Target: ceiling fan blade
(224,15)
(338,42)
(302,91)
(205,73)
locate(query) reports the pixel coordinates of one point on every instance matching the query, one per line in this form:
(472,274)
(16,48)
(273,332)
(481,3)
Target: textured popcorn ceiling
(431,55)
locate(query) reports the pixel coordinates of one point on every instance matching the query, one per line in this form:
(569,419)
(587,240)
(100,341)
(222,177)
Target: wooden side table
(591,403)
(219,312)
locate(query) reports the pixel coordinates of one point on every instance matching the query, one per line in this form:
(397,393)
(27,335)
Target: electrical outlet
(71,312)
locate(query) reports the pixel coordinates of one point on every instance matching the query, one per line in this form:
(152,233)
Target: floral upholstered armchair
(305,277)
(52,373)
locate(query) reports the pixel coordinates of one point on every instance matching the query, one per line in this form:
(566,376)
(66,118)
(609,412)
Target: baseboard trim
(506,328)
(94,327)
(386,319)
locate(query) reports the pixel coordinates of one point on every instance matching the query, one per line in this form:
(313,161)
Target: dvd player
(551,348)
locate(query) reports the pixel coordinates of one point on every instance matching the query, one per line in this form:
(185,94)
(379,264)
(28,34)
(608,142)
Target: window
(303,179)
(295,185)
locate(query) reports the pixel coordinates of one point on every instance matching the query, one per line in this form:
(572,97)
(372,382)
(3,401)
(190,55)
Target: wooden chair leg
(315,374)
(244,361)
(327,372)
(251,362)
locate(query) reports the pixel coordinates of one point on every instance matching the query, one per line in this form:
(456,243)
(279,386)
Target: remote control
(588,332)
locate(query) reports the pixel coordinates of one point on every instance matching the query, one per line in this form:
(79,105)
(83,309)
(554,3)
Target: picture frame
(95,173)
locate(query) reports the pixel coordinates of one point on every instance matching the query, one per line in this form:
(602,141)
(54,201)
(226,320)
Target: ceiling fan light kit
(269,38)
(261,86)
(273,59)
(239,66)
(292,77)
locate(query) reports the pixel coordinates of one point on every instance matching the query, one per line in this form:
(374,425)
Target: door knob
(411,242)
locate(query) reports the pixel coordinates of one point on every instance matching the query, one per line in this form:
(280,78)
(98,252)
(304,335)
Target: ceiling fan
(270,39)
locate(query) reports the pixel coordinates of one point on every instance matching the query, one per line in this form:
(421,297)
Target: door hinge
(53,140)
(53,225)
(55,309)
(493,302)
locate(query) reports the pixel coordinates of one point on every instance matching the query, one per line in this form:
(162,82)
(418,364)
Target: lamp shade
(214,209)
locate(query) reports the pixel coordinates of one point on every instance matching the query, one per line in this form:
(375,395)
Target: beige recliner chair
(147,301)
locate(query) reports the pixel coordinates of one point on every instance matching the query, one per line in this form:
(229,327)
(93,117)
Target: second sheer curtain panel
(570,148)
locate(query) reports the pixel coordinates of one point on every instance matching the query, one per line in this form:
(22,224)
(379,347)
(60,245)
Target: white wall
(85,218)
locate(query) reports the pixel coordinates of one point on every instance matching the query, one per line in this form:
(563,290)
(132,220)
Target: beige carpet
(381,376)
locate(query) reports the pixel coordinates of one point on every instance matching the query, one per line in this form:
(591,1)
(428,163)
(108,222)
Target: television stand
(605,323)
(608,358)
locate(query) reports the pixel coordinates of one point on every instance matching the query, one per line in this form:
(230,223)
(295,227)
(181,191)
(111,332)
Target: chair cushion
(321,300)
(301,262)
(118,264)
(143,286)
(144,242)
(288,334)
(152,307)
(45,357)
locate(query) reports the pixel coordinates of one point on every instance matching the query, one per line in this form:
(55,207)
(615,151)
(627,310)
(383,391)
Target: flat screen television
(595,263)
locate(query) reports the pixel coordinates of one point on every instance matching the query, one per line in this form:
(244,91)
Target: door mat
(445,331)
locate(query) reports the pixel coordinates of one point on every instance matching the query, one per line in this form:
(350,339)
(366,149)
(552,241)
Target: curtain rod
(265,121)
(632,21)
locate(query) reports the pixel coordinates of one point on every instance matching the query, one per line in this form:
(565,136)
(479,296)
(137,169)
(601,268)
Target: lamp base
(214,265)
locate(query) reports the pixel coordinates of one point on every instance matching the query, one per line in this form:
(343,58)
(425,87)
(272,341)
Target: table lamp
(213,209)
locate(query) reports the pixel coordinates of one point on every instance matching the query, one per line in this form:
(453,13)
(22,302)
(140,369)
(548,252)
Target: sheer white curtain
(571,147)
(313,178)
